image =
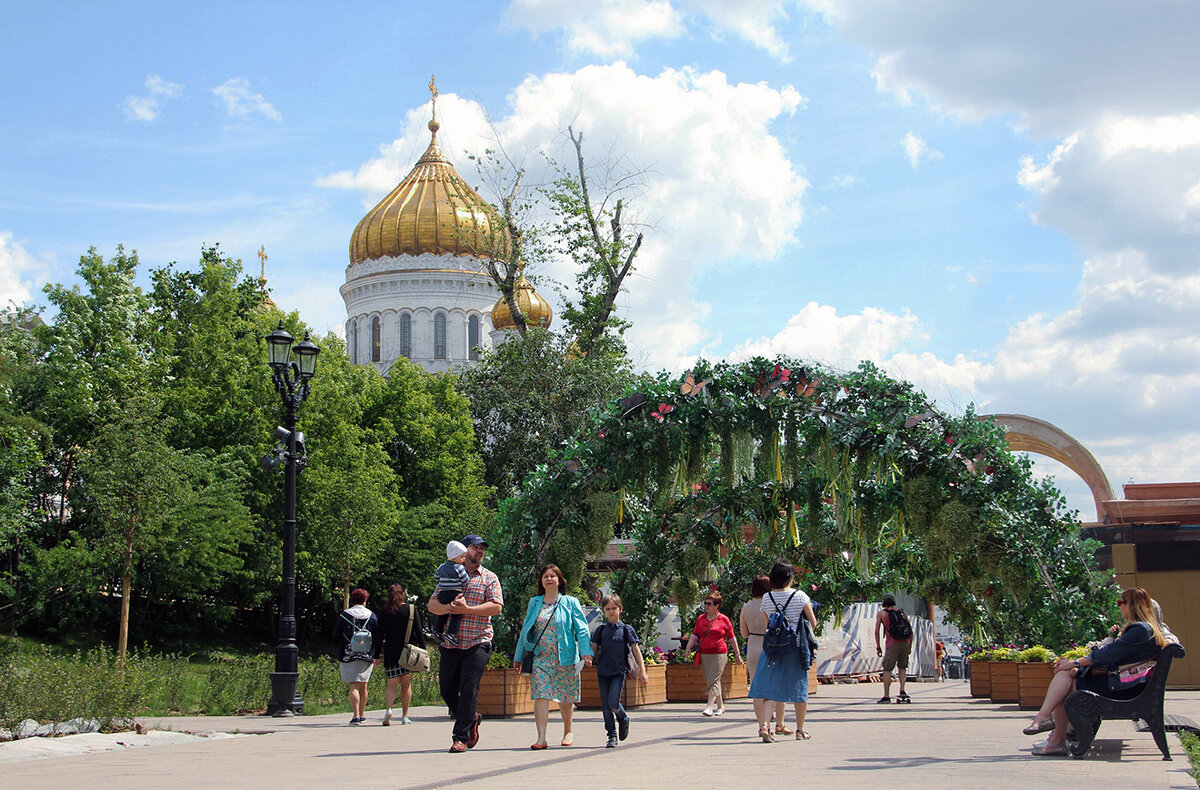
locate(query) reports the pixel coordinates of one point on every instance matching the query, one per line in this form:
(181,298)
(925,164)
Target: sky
(999,202)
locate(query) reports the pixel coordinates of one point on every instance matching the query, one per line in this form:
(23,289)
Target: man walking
(463,661)
(898,633)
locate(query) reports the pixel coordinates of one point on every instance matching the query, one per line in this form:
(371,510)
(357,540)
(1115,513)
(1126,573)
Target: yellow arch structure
(1029,434)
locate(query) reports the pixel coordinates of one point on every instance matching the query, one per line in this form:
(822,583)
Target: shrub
(1038,654)
(1076,652)
(1191,745)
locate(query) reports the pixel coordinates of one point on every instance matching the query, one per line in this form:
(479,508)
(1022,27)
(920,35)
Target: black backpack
(898,625)
(780,636)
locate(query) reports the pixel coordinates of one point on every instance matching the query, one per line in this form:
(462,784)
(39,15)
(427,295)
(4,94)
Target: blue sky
(999,202)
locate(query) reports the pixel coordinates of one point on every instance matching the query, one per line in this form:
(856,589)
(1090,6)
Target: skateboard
(904,698)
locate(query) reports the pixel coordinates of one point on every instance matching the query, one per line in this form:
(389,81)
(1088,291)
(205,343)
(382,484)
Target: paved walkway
(945,739)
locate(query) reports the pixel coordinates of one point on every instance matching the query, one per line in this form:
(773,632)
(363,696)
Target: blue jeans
(610,697)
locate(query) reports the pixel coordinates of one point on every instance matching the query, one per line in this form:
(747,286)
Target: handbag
(527,659)
(1129,675)
(413,658)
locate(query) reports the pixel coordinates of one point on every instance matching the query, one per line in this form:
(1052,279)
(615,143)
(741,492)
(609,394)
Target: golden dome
(536,310)
(432,210)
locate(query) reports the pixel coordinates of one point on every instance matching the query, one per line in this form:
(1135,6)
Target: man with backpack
(898,632)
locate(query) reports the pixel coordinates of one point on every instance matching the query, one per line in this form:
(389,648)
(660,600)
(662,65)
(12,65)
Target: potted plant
(1003,680)
(1034,672)
(685,681)
(981,676)
(655,690)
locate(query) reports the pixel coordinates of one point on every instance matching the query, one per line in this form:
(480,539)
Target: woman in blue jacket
(1140,639)
(556,632)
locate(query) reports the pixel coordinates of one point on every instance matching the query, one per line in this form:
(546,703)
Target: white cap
(454,549)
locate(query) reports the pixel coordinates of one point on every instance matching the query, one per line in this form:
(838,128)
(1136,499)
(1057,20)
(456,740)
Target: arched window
(375,339)
(352,339)
(439,336)
(473,337)
(406,335)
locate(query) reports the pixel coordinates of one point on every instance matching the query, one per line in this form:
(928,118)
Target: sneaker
(405,720)
(612,743)
(623,728)
(884,700)
(355,720)
(706,712)
(387,718)
(903,695)
(719,712)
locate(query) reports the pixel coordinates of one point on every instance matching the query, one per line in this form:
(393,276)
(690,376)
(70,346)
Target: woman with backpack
(399,625)
(782,674)
(354,631)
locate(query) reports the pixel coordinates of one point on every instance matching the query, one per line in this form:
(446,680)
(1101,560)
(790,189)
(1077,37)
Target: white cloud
(241,101)
(917,150)
(614,28)
(20,272)
(145,108)
(708,150)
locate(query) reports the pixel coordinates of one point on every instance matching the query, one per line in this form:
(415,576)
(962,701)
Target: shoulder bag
(527,659)
(413,658)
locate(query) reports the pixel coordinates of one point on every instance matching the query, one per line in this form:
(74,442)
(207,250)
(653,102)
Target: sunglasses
(710,603)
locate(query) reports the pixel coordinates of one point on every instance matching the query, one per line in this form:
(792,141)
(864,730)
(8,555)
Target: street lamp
(291,382)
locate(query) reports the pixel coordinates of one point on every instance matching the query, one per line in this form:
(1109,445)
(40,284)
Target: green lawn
(55,682)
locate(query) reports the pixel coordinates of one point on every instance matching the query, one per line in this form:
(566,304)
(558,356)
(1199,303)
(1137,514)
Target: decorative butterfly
(630,403)
(781,373)
(663,410)
(690,387)
(804,387)
(916,418)
(950,437)
(760,384)
(572,465)
(769,390)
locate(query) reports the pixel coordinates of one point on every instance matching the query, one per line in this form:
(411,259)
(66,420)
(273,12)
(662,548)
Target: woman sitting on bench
(1140,639)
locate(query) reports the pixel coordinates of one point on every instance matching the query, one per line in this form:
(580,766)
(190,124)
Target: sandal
(539,746)
(1037,728)
(802,735)
(568,740)
(766,735)
(1050,751)
(783,729)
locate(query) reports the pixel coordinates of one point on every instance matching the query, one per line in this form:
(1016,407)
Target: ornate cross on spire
(433,93)
(262,262)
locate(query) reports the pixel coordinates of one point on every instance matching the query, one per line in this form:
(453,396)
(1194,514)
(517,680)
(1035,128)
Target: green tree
(530,395)
(133,478)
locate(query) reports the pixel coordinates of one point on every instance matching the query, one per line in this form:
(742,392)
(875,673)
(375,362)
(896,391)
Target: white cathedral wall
(422,286)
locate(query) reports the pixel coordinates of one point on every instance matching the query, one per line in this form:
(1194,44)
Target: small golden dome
(433,210)
(536,310)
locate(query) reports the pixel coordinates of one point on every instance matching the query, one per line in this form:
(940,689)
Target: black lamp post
(291,382)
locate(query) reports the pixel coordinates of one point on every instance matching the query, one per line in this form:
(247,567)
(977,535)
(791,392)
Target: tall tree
(133,478)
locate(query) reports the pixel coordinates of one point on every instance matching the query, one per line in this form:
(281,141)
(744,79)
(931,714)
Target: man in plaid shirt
(461,665)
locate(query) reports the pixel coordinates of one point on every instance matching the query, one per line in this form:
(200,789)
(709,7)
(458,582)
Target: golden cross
(262,261)
(433,93)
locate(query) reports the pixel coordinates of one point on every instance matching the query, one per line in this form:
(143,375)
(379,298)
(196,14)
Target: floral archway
(857,478)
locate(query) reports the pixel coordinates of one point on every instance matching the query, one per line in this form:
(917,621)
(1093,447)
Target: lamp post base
(285,695)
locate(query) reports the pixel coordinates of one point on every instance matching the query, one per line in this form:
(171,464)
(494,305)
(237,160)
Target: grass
(55,683)
(1191,745)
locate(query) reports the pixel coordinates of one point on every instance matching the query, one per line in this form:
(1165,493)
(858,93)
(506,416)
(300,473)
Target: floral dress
(550,679)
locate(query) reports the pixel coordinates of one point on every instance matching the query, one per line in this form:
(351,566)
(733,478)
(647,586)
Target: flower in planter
(1038,654)
(1080,651)
(653,656)
(1005,654)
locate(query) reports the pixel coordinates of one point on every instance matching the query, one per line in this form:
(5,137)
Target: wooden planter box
(505,692)
(633,695)
(1004,682)
(685,683)
(1033,679)
(981,678)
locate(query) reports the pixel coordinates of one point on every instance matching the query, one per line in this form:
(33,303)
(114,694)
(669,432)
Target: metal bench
(1086,709)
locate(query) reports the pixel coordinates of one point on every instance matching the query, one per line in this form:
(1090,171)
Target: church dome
(536,310)
(433,210)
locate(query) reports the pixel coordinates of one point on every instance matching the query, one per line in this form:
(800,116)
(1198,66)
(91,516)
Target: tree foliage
(854,477)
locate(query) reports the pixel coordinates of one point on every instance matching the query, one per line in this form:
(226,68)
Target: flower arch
(857,478)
